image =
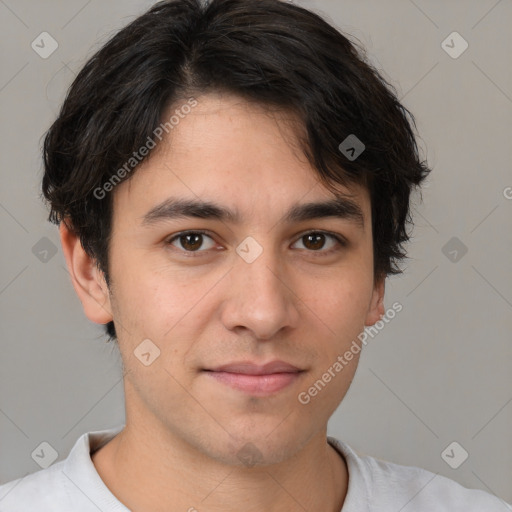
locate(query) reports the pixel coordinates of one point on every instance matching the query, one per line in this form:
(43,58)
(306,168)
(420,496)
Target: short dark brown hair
(268,51)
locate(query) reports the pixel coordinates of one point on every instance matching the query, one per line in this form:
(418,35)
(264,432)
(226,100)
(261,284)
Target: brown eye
(314,241)
(317,240)
(190,241)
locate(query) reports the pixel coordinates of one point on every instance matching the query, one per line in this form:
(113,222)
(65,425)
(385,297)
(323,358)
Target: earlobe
(376,310)
(88,281)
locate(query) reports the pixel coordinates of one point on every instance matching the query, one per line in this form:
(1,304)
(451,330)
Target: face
(264,286)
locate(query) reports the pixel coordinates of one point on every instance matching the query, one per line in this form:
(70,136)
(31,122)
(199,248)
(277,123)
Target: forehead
(240,160)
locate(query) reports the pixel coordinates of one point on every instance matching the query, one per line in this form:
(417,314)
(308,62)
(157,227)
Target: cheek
(151,295)
(328,384)
(339,315)
(342,304)
(170,308)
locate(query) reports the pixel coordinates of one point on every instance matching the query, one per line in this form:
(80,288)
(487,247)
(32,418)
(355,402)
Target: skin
(184,430)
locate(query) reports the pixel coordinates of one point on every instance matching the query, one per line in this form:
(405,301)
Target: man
(232,185)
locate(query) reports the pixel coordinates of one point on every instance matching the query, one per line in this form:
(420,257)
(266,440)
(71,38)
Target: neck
(150,467)
(148,476)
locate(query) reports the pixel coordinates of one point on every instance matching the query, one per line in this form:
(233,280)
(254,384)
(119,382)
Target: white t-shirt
(74,485)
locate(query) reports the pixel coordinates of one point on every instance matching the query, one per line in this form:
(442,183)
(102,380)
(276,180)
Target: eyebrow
(173,208)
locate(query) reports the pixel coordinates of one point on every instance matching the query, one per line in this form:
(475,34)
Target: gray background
(438,372)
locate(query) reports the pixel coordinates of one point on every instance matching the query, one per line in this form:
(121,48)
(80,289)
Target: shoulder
(71,484)
(48,488)
(387,486)
(422,490)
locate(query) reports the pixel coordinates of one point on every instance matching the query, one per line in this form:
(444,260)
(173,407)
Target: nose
(261,298)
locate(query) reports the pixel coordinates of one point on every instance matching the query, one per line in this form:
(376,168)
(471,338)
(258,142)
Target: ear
(376,309)
(88,280)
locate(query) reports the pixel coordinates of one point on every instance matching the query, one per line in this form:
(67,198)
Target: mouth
(254,379)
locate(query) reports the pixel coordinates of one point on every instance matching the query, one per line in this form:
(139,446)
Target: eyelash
(341,241)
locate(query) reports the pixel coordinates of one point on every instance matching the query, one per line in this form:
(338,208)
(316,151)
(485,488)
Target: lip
(250,368)
(254,379)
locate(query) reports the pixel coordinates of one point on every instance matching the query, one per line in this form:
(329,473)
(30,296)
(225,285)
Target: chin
(259,447)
